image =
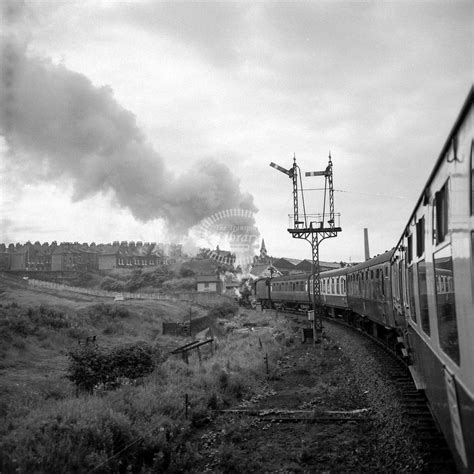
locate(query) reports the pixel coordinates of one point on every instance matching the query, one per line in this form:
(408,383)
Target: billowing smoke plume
(58,125)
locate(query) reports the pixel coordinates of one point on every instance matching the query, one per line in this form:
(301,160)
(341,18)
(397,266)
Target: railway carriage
(369,291)
(334,290)
(433,287)
(420,294)
(291,292)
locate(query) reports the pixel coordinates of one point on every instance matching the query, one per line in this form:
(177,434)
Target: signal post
(314,228)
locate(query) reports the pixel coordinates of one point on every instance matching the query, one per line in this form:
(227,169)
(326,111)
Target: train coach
(433,287)
(290,292)
(419,296)
(295,292)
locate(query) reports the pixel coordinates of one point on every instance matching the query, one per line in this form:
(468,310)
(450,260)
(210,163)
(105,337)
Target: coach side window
(410,248)
(440,209)
(472,260)
(423,292)
(411,293)
(420,237)
(472,178)
(445,303)
(401,266)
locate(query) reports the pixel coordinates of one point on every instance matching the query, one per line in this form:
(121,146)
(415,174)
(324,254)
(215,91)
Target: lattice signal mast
(314,228)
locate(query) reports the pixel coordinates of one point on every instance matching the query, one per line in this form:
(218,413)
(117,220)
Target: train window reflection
(472,178)
(445,303)
(401,265)
(441,214)
(411,292)
(420,237)
(423,292)
(472,260)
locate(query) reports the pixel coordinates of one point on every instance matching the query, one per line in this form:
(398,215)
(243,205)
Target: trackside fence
(195,298)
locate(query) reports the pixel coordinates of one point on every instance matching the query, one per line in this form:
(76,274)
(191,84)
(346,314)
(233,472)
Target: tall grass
(142,428)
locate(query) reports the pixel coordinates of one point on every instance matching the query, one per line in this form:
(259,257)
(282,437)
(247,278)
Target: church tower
(263,253)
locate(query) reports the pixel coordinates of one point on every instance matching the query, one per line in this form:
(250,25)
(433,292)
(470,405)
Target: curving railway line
(417,297)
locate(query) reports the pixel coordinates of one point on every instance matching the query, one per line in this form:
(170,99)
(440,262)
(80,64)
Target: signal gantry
(314,228)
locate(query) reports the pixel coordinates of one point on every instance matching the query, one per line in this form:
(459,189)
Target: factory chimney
(366,244)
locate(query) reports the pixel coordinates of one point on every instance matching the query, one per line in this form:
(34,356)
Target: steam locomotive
(419,296)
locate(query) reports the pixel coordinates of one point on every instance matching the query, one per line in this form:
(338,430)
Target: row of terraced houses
(67,256)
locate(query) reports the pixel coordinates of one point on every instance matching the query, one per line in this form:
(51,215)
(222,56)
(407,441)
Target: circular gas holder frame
(223,224)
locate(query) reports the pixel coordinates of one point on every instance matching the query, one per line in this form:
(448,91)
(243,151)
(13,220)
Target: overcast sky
(136,120)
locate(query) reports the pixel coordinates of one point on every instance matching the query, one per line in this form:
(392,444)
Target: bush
(16,321)
(78,333)
(79,437)
(110,284)
(180,284)
(186,272)
(91,366)
(101,311)
(49,317)
(223,310)
(137,281)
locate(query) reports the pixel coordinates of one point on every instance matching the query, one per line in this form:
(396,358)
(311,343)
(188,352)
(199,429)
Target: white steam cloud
(61,126)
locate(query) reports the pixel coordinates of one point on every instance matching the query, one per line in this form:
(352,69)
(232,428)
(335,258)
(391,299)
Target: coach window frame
(410,248)
(441,286)
(401,286)
(421,269)
(420,236)
(472,178)
(472,260)
(411,292)
(440,224)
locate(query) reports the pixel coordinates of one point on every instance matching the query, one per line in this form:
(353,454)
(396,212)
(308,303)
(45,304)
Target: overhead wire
(355,192)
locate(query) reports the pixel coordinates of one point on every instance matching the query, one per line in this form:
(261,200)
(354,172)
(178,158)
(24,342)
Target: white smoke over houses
(59,127)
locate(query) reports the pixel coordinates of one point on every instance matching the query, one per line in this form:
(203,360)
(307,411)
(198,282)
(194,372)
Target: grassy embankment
(46,427)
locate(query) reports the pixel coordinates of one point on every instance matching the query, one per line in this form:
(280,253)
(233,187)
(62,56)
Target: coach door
(454,415)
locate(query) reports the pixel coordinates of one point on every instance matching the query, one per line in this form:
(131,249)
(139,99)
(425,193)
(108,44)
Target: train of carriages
(419,296)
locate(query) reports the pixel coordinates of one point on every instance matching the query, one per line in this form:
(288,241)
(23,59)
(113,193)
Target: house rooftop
(207,278)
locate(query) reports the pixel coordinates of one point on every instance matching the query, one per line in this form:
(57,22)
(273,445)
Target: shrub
(114,327)
(137,281)
(78,436)
(180,284)
(50,317)
(223,310)
(101,311)
(78,333)
(16,321)
(90,365)
(186,272)
(110,284)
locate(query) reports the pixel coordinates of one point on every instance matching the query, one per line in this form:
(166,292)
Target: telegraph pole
(314,228)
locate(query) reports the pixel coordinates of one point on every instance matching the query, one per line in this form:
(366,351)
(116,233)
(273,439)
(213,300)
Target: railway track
(417,413)
(414,407)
